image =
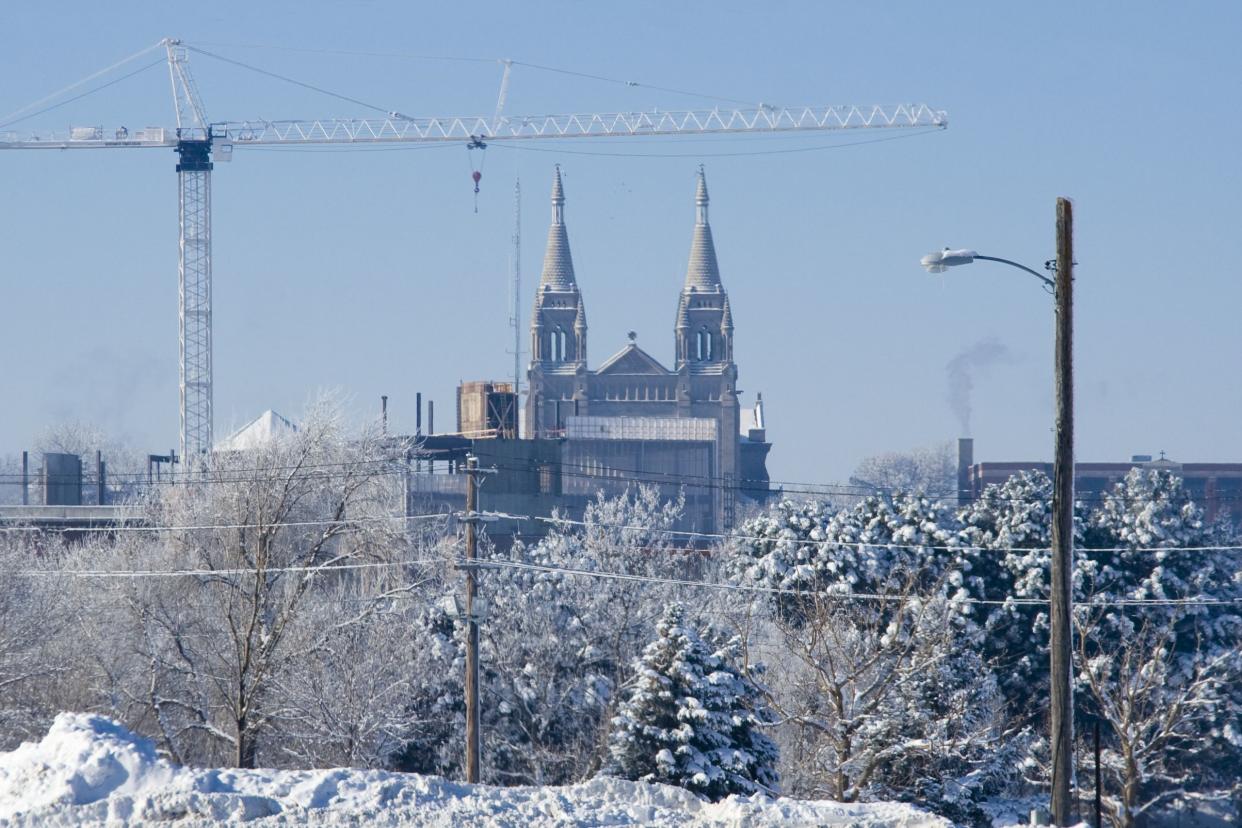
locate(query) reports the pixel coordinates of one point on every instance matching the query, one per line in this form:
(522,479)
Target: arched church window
(704,345)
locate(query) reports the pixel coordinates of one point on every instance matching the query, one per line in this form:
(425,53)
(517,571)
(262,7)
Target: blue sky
(370,273)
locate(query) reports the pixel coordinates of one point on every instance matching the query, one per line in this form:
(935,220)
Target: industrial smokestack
(965,459)
(384,414)
(418,412)
(431,417)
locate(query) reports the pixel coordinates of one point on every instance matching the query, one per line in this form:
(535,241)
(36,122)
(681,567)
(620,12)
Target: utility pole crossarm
(398,128)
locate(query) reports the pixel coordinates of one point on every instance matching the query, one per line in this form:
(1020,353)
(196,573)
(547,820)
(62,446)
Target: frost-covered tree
(692,718)
(354,701)
(1149,542)
(557,645)
(124,464)
(436,700)
(266,537)
(1160,708)
(931,471)
(881,681)
(878,545)
(33,611)
(1007,532)
(1144,541)
(896,704)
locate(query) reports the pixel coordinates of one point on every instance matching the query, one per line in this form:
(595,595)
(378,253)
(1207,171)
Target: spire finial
(700,197)
(558,198)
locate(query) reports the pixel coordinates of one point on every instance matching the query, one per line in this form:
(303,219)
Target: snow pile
(91,770)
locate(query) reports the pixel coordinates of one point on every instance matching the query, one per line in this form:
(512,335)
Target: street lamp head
(943,260)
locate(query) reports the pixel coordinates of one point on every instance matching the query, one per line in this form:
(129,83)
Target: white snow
(90,770)
(267,428)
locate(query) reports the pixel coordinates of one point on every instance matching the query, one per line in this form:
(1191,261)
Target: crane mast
(194,263)
(199,142)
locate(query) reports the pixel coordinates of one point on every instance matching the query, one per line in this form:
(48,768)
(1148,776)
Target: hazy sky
(370,273)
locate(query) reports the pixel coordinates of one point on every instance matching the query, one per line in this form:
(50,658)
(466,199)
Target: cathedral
(631,391)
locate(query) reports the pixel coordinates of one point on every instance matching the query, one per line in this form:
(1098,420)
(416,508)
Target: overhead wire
(203,573)
(476,59)
(88,92)
(287,79)
(505,563)
(275,524)
(829,595)
(592,472)
(84,80)
(654,531)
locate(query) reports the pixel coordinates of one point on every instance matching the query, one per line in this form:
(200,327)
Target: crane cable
(84,80)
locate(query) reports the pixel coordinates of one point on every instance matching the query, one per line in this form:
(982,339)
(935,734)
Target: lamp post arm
(1041,277)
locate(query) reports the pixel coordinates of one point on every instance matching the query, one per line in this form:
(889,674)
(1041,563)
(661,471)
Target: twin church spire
(703,332)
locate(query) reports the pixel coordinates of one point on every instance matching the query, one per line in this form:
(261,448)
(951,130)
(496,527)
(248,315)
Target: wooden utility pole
(472,625)
(1061,597)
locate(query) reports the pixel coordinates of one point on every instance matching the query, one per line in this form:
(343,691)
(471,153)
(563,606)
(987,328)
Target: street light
(945,259)
(1060,596)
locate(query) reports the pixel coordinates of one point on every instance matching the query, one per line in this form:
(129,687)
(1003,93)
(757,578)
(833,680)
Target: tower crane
(199,143)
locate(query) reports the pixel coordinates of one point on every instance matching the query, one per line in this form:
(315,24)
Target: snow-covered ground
(89,770)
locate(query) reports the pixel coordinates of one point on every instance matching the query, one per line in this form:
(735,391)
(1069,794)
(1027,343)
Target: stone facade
(632,383)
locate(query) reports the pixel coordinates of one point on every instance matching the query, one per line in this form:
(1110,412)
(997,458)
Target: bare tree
(32,611)
(887,699)
(265,541)
(1156,704)
(931,470)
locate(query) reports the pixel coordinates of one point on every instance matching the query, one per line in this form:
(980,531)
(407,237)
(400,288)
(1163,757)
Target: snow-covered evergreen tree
(556,645)
(875,547)
(1164,678)
(692,719)
(1007,531)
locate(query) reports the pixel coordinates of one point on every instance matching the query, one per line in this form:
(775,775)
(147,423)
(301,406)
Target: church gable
(632,360)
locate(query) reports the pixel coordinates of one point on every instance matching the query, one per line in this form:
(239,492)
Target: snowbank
(90,770)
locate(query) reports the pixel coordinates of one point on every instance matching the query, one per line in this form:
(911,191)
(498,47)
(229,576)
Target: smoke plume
(963,369)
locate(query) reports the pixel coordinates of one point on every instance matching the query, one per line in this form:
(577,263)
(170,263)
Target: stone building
(567,398)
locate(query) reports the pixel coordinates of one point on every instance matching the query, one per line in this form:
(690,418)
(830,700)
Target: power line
(504,563)
(223,526)
(195,573)
(592,471)
(851,596)
(891,542)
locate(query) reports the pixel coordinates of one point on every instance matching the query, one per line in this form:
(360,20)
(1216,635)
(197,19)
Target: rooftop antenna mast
(515,298)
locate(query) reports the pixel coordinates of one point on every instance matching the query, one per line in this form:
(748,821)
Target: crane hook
(476,143)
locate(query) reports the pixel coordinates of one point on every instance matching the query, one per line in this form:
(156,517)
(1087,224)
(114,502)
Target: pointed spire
(558,198)
(702,273)
(558,265)
(726,319)
(580,317)
(683,314)
(700,197)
